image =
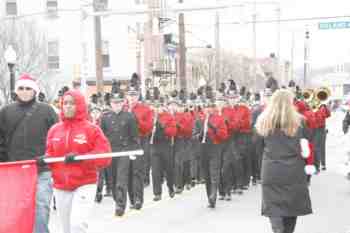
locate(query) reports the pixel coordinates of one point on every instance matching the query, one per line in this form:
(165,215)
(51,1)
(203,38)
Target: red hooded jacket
(322,114)
(77,136)
(218,123)
(229,115)
(168,123)
(185,123)
(243,118)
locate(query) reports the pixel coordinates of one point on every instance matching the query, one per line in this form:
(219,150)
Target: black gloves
(70,158)
(40,161)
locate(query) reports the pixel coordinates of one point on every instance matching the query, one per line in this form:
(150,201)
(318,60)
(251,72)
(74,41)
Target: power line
(280,20)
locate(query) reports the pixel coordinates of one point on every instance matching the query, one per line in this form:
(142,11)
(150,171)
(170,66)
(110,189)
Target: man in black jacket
(120,127)
(23,130)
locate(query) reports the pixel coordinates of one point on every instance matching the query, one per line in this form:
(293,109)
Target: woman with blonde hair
(285,193)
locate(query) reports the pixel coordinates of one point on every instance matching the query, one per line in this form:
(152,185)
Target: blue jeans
(43,200)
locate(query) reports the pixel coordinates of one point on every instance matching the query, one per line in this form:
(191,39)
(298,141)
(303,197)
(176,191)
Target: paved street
(188,213)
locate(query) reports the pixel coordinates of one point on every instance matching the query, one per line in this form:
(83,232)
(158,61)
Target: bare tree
(30,44)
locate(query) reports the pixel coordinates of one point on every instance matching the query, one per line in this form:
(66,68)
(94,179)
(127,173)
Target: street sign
(334,25)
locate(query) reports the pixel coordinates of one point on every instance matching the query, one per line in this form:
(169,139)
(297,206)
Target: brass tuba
(308,94)
(322,93)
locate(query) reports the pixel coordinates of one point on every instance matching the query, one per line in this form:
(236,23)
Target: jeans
(43,200)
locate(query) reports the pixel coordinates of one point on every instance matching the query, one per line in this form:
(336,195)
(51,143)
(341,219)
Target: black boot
(119,211)
(98,197)
(157,198)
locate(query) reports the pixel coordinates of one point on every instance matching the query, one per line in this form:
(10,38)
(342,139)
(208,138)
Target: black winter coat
(121,130)
(25,139)
(284,183)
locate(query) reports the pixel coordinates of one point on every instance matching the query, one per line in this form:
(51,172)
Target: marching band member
(120,127)
(143,115)
(214,133)
(164,129)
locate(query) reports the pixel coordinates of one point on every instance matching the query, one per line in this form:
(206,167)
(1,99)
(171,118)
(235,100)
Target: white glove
(310,169)
(132,157)
(305,150)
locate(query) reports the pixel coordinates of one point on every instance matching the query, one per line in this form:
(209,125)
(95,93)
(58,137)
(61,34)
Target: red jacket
(168,123)
(184,122)
(301,106)
(77,136)
(322,114)
(243,118)
(229,115)
(144,117)
(218,123)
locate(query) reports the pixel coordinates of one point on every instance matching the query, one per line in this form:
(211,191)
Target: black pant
(283,224)
(179,157)
(258,148)
(320,147)
(120,177)
(146,158)
(162,163)
(211,167)
(105,178)
(136,179)
(226,169)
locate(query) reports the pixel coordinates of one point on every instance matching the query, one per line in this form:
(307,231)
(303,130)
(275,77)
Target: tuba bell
(308,94)
(322,93)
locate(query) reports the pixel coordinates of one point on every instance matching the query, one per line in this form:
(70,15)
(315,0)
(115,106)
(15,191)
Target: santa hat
(307,152)
(27,81)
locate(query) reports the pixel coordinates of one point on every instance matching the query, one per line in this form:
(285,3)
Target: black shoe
(188,187)
(138,205)
(245,187)
(323,168)
(228,197)
(193,183)
(221,197)
(211,203)
(239,191)
(98,197)
(108,193)
(254,182)
(178,190)
(157,198)
(119,211)
(171,194)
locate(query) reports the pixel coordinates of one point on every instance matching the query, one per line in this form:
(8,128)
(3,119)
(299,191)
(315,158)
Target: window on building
(53,55)
(52,6)
(101,5)
(105,54)
(11,7)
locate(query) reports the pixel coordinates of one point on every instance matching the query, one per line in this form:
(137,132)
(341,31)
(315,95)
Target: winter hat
(27,81)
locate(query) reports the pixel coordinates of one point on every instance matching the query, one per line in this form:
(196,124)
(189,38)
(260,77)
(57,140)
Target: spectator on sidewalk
(285,193)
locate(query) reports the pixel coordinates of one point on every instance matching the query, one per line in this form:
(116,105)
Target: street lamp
(11,57)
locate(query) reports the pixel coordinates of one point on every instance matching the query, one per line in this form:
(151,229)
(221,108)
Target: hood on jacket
(81,112)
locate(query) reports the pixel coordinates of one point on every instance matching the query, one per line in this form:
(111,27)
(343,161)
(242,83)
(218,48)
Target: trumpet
(205,129)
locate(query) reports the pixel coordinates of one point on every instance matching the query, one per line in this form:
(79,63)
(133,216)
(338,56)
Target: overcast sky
(328,47)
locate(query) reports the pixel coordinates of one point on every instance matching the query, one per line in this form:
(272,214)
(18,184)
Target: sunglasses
(24,88)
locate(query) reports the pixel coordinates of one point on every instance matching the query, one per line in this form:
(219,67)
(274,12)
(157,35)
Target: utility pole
(292,57)
(182,52)
(98,47)
(254,48)
(277,64)
(217,51)
(306,56)
(138,46)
